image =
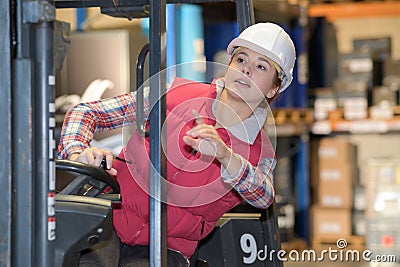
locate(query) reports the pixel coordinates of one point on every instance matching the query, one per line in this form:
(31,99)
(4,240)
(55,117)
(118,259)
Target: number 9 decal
(248,245)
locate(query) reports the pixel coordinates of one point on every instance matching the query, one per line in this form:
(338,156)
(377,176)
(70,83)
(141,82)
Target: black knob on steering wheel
(89,174)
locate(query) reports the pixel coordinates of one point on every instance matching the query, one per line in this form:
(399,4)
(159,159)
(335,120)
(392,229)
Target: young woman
(216,149)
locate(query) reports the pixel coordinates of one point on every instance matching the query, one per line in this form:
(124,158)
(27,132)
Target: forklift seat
(82,222)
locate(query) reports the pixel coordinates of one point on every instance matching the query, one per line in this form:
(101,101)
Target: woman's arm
(84,119)
(254,184)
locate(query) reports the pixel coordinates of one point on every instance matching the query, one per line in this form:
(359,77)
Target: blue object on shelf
(190,42)
(185,41)
(171,42)
(170,38)
(300,68)
(302,189)
(80,18)
(296,94)
(216,39)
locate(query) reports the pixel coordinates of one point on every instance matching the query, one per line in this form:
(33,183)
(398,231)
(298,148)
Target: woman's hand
(205,139)
(94,156)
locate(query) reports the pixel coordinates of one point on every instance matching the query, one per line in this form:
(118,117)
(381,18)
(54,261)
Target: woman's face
(251,76)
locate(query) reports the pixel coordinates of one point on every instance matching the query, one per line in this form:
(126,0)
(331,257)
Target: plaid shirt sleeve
(254,184)
(84,119)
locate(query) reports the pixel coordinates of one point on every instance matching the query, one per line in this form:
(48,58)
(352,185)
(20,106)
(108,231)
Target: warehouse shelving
(367,125)
(340,10)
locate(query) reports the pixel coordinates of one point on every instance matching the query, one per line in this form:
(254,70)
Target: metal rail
(43,147)
(158,170)
(125,3)
(5,137)
(139,93)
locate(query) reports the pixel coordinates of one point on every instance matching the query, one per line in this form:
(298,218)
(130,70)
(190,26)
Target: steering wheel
(89,180)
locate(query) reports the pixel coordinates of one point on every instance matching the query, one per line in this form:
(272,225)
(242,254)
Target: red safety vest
(197,196)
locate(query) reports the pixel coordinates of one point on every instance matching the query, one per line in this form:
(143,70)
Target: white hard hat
(272,41)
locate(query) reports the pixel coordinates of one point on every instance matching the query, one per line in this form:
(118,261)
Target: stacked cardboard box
(332,187)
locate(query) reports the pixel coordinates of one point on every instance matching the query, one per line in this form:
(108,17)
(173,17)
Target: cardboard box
(336,152)
(332,159)
(334,177)
(343,175)
(355,108)
(322,107)
(335,196)
(334,222)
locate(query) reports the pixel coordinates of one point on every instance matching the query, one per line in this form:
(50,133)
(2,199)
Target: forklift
(45,228)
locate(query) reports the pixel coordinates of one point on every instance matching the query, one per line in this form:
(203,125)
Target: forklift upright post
(5,137)
(41,15)
(157,59)
(244,14)
(44,145)
(33,214)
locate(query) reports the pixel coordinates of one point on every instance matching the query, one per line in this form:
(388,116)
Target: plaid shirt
(253,183)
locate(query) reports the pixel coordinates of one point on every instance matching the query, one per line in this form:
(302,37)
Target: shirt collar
(245,131)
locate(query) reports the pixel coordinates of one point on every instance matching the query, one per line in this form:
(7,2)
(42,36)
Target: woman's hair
(276,82)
